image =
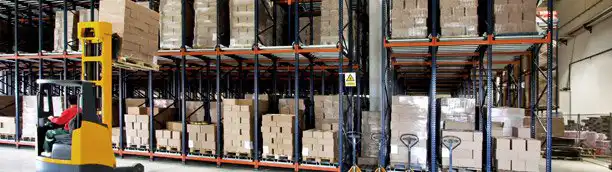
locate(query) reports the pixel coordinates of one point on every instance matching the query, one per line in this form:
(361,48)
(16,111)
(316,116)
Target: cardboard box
(519,145)
(504,164)
(142,118)
(176,135)
(130,118)
(136,111)
(463,135)
(193,128)
(175,143)
(518,165)
(521,132)
(174,126)
(503,143)
(167,134)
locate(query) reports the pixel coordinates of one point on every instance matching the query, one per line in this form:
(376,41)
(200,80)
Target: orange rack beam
(489,41)
(450,63)
(420,55)
(42,56)
(296,49)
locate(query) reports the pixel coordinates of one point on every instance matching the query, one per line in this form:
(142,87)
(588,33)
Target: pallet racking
(410,60)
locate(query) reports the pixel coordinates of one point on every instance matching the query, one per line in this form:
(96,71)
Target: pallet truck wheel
(138,168)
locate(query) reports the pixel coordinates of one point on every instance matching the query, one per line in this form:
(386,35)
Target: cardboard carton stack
(305,34)
(115,136)
(409,19)
(138,124)
(137,26)
(409,116)
(468,154)
(370,124)
(58,39)
(7,126)
(242,23)
(456,112)
(459,17)
(30,113)
(287,106)
(512,16)
(202,137)
(170,23)
(329,22)
(238,126)
(558,127)
(517,154)
(206,28)
(326,111)
(277,132)
(169,139)
(510,117)
(320,146)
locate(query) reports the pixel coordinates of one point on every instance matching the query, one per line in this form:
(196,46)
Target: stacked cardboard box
(242,21)
(329,22)
(409,19)
(238,125)
(409,116)
(115,135)
(370,124)
(195,108)
(30,113)
(277,133)
(170,139)
(305,34)
(510,117)
(326,111)
(459,17)
(206,27)
(138,124)
(287,106)
(319,145)
(458,112)
(7,125)
(202,137)
(512,16)
(137,26)
(468,154)
(558,127)
(170,23)
(517,154)
(58,39)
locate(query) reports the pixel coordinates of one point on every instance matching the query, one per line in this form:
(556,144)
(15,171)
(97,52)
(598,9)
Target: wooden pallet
(7,136)
(462,169)
(404,167)
(566,158)
(237,155)
(134,64)
(137,147)
(202,152)
(319,161)
(28,139)
(168,149)
(278,158)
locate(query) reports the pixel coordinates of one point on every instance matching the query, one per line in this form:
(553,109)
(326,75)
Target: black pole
(152,143)
(433,123)
(40,46)
(16,75)
(297,153)
(183,78)
(256,127)
(207,97)
(121,109)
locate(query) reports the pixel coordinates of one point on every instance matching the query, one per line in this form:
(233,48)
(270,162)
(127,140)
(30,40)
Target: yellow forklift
(88,146)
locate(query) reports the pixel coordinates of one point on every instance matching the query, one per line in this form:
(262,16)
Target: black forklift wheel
(138,168)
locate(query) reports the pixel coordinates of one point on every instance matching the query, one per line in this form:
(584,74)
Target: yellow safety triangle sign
(349,79)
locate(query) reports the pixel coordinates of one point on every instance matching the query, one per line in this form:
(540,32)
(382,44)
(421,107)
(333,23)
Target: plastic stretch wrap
(512,16)
(409,116)
(58,39)
(459,17)
(460,110)
(206,28)
(409,18)
(242,23)
(30,113)
(170,23)
(370,124)
(510,117)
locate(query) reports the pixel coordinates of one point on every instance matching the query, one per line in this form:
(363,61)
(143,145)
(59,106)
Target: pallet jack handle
(409,140)
(451,142)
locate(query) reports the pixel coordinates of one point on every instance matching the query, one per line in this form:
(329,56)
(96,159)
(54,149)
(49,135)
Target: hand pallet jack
(377,137)
(354,137)
(451,142)
(409,140)
(88,146)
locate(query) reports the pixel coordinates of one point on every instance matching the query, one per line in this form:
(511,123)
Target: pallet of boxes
(517,154)
(458,116)
(29,115)
(370,126)
(202,138)
(409,116)
(326,111)
(7,117)
(169,140)
(319,145)
(277,132)
(238,122)
(138,126)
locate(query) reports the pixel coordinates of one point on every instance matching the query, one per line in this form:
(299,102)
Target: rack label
(349,79)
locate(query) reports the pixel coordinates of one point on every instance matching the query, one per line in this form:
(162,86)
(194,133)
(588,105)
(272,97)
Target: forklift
(88,146)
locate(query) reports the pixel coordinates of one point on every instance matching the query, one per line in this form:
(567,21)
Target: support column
(375,49)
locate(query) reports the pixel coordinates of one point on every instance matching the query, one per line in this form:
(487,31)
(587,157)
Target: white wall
(591,79)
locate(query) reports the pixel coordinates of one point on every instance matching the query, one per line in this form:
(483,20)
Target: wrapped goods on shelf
(329,22)
(238,124)
(277,133)
(515,16)
(202,137)
(58,39)
(171,23)
(409,116)
(7,125)
(326,110)
(517,154)
(305,33)
(510,117)
(319,145)
(457,113)
(459,18)
(370,124)
(558,127)
(287,106)
(137,26)
(468,154)
(409,19)
(242,21)
(29,113)
(206,27)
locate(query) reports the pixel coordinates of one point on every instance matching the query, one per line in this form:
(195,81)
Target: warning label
(349,79)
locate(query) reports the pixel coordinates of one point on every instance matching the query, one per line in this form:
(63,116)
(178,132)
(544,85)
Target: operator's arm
(64,118)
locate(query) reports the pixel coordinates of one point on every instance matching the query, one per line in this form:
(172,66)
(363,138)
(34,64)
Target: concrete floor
(23,160)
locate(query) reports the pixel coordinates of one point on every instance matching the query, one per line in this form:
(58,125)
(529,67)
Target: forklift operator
(63,120)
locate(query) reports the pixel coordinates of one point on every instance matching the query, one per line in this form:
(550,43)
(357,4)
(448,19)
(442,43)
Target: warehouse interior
(306,85)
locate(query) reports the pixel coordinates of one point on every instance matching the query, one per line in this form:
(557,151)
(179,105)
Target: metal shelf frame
(461,66)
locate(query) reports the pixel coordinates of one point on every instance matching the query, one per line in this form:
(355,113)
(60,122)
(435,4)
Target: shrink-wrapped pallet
(457,113)
(409,18)
(515,16)
(206,27)
(459,17)
(329,22)
(242,22)
(30,113)
(409,116)
(170,28)
(58,31)
(370,125)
